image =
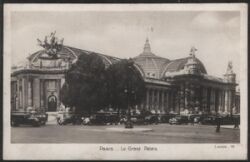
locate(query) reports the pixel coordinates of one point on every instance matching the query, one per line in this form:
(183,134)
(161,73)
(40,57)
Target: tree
(126,87)
(66,100)
(85,84)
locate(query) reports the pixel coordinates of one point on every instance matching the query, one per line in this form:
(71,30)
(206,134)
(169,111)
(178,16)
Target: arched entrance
(52,103)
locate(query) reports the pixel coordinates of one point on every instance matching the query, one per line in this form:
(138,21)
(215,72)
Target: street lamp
(129,93)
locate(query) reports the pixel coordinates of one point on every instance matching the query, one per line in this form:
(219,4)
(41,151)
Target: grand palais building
(172,85)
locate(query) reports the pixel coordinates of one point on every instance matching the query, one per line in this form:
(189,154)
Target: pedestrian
(87,121)
(236,122)
(192,120)
(67,109)
(195,120)
(218,122)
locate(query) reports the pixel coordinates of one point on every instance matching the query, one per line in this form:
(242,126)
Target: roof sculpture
(51,46)
(230,68)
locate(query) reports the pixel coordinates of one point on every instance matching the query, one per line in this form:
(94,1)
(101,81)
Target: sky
(171,34)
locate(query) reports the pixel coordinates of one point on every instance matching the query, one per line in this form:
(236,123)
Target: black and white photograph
(125,81)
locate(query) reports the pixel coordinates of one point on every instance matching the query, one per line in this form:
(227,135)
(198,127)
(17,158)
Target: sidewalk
(229,126)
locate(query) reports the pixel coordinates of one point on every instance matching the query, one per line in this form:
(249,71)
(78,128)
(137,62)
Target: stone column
(20,95)
(213,99)
(162,100)
(176,102)
(233,99)
(23,94)
(157,100)
(186,95)
(167,102)
(29,93)
(219,100)
(208,109)
(153,99)
(26,92)
(182,96)
(42,93)
(58,87)
(171,101)
(147,100)
(142,105)
(229,101)
(222,100)
(36,93)
(17,93)
(198,96)
(226,101)
(204,99)
(191,97)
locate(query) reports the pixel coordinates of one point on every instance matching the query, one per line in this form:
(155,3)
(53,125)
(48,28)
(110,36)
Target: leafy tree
(85,84)
(67,101)
(126,86)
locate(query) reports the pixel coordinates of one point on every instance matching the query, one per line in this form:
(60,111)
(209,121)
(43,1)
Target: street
(161,133)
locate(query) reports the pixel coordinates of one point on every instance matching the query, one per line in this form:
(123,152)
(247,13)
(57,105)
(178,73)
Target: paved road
(161,133)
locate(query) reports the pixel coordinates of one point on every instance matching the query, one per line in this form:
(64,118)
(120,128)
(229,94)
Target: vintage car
(209,120)
(112,118)
(164,118)
(104,118)
(179,119)
(230,120)
(138,119)
(195,118)
(152,119)
(33,118)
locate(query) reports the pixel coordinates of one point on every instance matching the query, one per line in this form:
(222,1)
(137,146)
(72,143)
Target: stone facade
(176,86)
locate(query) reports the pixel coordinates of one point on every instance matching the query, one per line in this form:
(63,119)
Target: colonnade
(159,100)
(207,99)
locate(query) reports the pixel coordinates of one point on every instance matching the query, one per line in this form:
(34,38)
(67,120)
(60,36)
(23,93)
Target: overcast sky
(216,35)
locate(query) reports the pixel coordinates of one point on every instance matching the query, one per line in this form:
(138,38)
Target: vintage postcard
(125,82)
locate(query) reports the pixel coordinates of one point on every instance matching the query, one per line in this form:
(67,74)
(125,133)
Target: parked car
(112,119)
(195,118)
(98,119)
(104,118)
(33,118)
(179,119)
(77,119)
(43,117)
(209,120)
(165,118)
(152,119)
(138,119)
(230,120)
